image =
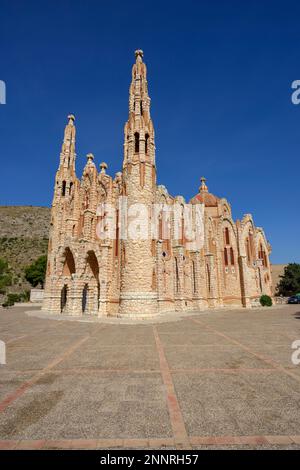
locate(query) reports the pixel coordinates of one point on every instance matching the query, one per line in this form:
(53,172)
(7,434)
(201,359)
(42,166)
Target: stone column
(245,296)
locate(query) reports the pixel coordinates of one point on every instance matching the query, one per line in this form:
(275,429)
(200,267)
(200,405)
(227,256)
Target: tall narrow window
(146,143)
(225,257)
(153,286)
(176,275)
(86,200)
(160,227)
(248,250)
(141,108)
(194,277)
(251,244)
(227,239)
(70,189)
(63,189)
(182,229)
(142,174)
(261,254)
(208,278)
(136,142)
(264,258)
(117,235)
(231,256)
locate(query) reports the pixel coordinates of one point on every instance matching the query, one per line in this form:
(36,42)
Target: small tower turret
(65,176)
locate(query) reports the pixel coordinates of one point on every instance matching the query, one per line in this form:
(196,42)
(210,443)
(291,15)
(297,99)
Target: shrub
(26,296)
(265,301)
(13,298)
(10,300)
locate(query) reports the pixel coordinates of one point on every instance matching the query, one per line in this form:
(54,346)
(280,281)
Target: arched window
(263,256)
(70,189)
(136,142)
(92,265)
(227,238)
(63,189)
(146,143)
(69,263)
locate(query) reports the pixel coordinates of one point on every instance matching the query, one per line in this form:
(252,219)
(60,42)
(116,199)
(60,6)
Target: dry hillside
(23,238)
(277,271)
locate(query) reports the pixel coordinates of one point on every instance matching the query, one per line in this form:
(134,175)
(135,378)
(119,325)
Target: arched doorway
(85,298)
(63,298)
(91,292)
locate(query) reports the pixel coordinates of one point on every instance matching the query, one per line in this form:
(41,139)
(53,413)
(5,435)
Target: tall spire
(68,155)
(139,132)
(139,101)
(139,184)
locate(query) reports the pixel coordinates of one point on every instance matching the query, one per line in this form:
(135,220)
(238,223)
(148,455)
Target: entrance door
(84,298)
(63,298)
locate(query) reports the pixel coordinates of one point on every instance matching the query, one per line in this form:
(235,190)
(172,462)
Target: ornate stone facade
(92,275)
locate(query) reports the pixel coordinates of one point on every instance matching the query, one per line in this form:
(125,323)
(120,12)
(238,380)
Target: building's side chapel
(89,274)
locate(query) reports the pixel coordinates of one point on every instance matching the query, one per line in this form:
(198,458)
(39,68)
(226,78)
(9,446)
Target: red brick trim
(12,397)
(176,418)
(159,443)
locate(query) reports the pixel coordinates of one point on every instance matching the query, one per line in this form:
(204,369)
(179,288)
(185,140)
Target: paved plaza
(214,379)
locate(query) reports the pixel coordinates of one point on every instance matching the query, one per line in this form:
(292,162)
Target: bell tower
(138,295)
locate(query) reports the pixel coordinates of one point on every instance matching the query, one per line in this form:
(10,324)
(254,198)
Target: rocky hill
(23,238)
(277,271)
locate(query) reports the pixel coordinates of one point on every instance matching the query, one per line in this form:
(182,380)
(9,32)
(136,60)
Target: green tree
(36,272)
(289,283)
(266,301)
(5,276)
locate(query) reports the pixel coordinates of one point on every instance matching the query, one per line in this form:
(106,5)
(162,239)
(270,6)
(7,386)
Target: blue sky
(219,73)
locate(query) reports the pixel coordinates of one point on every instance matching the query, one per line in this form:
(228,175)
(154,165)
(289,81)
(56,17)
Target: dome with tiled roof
(209,200)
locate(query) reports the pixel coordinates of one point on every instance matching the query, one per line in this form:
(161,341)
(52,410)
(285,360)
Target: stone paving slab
(217,379)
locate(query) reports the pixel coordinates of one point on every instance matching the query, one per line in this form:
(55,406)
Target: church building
(93,270)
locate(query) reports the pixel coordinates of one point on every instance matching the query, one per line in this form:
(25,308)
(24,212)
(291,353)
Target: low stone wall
(36,295)
(280,300)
